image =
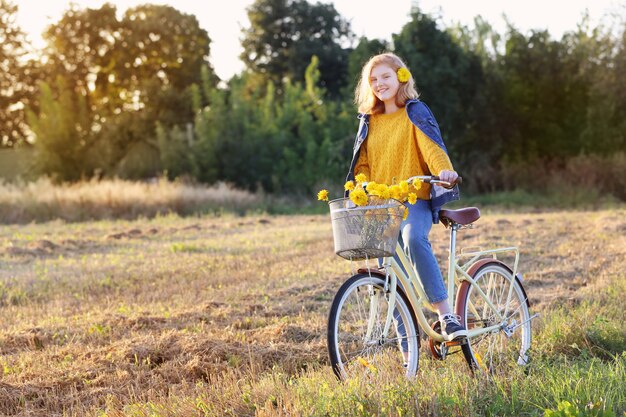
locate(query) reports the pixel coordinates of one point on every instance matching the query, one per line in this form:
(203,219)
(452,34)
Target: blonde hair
(364,97)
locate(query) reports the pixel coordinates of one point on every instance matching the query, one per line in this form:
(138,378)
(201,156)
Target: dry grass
(226,315)
(43,200)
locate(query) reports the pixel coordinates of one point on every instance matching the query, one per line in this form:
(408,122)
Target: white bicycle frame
(414,290)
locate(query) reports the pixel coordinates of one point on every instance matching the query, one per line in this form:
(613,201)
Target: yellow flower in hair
(412,198)
(403,74)
(322,195)
(358,197)
(348,186)
(361,178)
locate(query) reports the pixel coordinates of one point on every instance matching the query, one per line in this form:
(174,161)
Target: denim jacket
(423,118)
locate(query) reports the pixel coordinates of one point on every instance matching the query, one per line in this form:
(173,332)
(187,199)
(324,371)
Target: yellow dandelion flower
(417,184)
(404,186)
(322,195)
(403,74)
(361,178)
(348,186)
(371,187)
(386,195)
(406,213)
(381,190)
(412,198)
(366,364)
(395,192)
(358,197)
(481,364)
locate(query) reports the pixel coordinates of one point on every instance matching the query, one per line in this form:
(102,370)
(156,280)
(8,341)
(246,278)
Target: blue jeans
(414,239)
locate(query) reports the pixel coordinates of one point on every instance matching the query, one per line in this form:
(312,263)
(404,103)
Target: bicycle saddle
(462,216)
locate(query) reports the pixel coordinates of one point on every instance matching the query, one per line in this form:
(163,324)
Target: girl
(403,140)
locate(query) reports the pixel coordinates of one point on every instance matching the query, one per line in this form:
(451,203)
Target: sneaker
(451,328)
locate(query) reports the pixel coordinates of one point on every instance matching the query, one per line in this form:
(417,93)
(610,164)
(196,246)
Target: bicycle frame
(456,274)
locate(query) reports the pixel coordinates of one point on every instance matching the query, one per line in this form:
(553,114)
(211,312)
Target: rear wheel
(356,343)
(507,344)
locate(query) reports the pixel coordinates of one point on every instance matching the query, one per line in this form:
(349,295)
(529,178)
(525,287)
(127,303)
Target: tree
(316,136)
(115,58)
(62,130)
(448,78)
(542,103)
(285,34)
(287,144)
(175,151)
(603,63)
(135,71)
(16,78)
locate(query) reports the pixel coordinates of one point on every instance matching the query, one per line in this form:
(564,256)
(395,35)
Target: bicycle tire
(351,353)
(495,351)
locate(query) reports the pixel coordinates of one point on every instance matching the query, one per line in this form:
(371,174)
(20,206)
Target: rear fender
(476,266)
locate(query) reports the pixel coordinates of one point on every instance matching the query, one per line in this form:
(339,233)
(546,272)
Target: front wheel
(506,314)
(357,341)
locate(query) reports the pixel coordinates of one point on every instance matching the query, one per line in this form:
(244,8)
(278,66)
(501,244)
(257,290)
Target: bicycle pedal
(457,342)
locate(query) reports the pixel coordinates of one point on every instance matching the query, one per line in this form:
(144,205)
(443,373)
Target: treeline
(135,96)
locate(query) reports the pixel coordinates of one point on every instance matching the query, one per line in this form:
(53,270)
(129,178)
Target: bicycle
(490,300)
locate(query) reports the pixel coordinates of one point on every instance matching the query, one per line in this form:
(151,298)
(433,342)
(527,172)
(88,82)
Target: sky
(379,19)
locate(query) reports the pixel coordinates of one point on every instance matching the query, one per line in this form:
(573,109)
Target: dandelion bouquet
(366,224)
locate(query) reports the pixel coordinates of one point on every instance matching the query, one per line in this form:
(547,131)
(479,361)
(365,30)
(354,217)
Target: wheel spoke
(496,350)
(357,320)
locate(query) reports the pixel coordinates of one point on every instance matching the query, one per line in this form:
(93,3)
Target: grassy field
(226,315)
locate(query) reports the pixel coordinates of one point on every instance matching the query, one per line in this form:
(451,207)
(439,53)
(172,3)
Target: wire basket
(369,231)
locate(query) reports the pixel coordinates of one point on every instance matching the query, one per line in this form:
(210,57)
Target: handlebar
(429,179)
(434,179)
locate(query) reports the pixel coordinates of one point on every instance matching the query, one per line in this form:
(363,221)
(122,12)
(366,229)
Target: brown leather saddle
(463,217)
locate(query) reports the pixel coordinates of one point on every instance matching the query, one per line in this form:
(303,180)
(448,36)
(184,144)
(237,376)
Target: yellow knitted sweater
(396,149)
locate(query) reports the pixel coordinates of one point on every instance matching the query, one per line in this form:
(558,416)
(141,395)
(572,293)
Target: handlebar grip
(459,180)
